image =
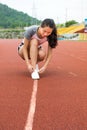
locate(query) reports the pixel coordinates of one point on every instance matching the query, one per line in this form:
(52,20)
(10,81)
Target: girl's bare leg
(41,54)
(20,52)
(33,52)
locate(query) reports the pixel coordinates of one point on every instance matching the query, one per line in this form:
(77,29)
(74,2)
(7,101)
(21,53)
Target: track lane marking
(73,55)
(30,118)
(70,72)
(59,67)
(73,74)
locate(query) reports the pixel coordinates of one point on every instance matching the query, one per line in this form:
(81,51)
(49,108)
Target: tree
(69,23)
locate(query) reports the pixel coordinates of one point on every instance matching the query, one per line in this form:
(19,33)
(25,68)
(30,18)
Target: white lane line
(30,118)
(73,74)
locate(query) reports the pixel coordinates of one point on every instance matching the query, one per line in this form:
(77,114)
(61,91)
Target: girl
(31,49)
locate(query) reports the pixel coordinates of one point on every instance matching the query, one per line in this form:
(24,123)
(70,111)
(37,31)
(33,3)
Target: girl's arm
(25,53)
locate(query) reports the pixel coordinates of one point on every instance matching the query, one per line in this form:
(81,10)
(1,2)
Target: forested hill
(11,18)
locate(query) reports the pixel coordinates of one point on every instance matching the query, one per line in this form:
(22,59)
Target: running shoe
(35,75)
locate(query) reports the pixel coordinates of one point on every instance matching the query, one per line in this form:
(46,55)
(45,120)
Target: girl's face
(44,31)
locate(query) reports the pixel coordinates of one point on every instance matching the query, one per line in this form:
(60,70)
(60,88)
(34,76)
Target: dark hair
(52,38)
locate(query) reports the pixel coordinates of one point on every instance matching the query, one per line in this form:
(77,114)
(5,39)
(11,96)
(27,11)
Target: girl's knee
(34,42)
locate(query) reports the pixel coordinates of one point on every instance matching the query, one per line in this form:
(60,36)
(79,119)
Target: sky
(59,10)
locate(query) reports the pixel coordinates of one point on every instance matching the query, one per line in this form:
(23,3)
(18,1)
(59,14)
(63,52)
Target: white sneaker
(35,75)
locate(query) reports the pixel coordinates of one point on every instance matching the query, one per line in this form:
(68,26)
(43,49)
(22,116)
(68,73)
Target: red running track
(61,100)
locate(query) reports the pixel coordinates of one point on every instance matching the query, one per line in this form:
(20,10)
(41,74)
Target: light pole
(65,16)
(34,13)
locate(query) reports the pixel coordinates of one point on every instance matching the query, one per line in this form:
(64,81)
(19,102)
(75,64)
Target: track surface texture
(61,98)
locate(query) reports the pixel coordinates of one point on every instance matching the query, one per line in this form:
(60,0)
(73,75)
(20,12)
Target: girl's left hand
(42,69)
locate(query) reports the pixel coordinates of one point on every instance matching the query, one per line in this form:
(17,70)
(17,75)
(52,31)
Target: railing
(74,36)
